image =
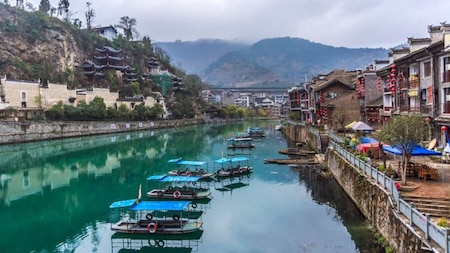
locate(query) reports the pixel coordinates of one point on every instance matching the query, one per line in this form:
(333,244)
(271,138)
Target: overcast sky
(347,23)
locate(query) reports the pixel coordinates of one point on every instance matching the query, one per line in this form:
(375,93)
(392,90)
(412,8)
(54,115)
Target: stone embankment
(18,132)
(373,201)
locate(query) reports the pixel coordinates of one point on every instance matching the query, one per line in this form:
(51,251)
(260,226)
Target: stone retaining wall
(371,200)
(17,132)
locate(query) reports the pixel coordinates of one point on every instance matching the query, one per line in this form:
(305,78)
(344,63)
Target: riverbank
(406,228)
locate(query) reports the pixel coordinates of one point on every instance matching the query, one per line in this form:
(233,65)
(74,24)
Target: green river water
(55,196)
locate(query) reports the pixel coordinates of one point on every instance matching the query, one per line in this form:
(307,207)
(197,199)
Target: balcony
(426,109)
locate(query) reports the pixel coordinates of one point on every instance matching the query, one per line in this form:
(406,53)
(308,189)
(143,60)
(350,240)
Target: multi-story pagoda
(92,70)
(129,74)
(108,57)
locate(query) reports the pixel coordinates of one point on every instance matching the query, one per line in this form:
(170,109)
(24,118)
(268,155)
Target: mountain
(276,61)
(195,56)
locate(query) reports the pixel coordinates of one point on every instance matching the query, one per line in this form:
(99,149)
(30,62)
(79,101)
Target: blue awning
(151,205)
(174,160)
(164,178)
(192,163)
(417,151)
(123,203)
(231,160)
(161,205)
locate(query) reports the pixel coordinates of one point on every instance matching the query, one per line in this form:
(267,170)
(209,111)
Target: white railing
(431,231)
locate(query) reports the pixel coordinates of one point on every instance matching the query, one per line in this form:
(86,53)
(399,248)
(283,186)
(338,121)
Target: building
(108,32)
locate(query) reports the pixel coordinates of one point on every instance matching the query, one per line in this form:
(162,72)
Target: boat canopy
(192,163)
(174,160)
(239,139)
(164,178)
(151,205)
(231,160)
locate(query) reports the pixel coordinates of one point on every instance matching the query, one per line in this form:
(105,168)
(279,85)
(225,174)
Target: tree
(90,14)
(341,116)
(128,24)
(44,6)
(404,133)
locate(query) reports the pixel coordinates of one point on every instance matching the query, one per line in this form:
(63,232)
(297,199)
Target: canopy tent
(366,147)
(417,151)
(350,125)
(361,126)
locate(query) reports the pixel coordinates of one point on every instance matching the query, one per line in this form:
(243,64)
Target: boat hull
(172,194)
(160,227)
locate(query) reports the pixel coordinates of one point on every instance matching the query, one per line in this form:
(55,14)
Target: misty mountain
(276,61)
(195,56)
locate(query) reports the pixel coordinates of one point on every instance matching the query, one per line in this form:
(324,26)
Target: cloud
(348,23)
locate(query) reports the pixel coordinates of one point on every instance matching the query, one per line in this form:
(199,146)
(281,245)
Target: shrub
(442,222)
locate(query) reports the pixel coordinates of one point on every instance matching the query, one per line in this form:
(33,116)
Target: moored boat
(138,217)
(240,140)
(233,166)
(255,132)
(190,168)
(176,192)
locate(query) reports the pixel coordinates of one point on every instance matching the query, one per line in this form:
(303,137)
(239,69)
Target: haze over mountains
(276,61)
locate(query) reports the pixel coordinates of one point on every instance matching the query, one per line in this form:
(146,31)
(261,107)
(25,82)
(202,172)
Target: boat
(279,127)
(292,161)
(240,140)
(137,217)
(296,151)
(255,132)
(233,166)
(177,192)
(190,168)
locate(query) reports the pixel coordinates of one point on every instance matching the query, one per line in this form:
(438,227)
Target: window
(446,69)
(427,69)
(446,100)
(23,96)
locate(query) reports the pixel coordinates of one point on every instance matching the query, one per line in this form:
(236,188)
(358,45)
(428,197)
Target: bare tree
(90,14)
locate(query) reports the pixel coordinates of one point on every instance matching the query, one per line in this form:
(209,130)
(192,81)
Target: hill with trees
(280,61)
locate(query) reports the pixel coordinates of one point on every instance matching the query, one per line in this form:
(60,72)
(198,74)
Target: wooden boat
(292,161)
(296,151)
(190,168)
(240,142)
(139,219)
(233,166)
(255,132)
(171,192)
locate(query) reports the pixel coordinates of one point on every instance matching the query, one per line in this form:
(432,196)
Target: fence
(423,222)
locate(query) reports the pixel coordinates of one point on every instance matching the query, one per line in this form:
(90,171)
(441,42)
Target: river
(56,194)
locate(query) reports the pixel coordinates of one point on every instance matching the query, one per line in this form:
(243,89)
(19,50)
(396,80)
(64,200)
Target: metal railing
(423,222)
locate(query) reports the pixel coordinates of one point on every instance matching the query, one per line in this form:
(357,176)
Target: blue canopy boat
(137,217)
(255,132)
(175,192)
(240,140)
(233,166)
(190,168)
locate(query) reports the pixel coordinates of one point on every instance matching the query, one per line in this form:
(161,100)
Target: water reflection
(156,243)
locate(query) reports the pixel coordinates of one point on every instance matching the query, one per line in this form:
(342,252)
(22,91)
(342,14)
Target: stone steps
(435,207)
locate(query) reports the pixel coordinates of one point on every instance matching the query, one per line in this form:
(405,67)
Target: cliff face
(35,46)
